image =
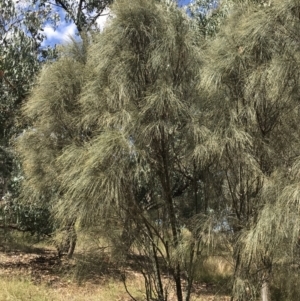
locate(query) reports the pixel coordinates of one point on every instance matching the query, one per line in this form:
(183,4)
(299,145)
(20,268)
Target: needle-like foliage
(115,136)
(53,113)
(252,73)
(168,143)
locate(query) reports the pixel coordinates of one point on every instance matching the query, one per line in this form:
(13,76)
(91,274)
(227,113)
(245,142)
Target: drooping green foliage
(22,54)
(53,114)
(169,143)
(120,135)
(252,73)
(136,95)
(139,106)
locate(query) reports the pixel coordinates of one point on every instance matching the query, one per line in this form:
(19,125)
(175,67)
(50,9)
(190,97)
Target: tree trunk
(265,293)
(72,242)
(166,185)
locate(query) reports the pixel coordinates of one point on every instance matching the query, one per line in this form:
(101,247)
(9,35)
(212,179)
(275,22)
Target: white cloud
(51,33)
(64,31)
(68,31)
(101,21)
(60,35)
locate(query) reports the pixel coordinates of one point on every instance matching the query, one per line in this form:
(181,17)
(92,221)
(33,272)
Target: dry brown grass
(22,289)
(215,268)
(35,273)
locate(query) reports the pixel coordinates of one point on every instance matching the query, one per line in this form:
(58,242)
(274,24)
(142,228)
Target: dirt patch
(43,267)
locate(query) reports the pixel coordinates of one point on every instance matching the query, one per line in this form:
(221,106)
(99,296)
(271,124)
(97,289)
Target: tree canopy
(177,140)
(23,52)
(120,132)
(252,73)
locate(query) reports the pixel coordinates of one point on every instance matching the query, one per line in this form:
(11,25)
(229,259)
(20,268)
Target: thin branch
(126,288)
(7,81)
(62,5)
(96,17)
(79,12)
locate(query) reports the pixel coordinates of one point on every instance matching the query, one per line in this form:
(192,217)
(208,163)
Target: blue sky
(183,2)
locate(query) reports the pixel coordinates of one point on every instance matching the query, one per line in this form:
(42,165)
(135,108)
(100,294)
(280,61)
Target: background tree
(209,14)
(21,55)
(84,13)
(18,63)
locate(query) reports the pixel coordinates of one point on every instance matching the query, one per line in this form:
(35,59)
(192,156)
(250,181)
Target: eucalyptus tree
(209,15)
(83,13)
(252,77)
(20,58)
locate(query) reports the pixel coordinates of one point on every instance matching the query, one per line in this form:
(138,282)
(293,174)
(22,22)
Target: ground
(37,274)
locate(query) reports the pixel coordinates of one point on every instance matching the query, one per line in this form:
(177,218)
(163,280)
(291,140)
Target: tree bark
(265,292)
(166,185)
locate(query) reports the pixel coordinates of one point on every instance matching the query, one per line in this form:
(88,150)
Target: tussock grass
(14,289)
(216,271)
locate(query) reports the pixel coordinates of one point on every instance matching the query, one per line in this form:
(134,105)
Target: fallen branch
(17,228)
(13,227)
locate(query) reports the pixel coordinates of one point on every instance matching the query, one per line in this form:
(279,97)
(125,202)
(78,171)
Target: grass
(26,274)
(214,269)
(21,289)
